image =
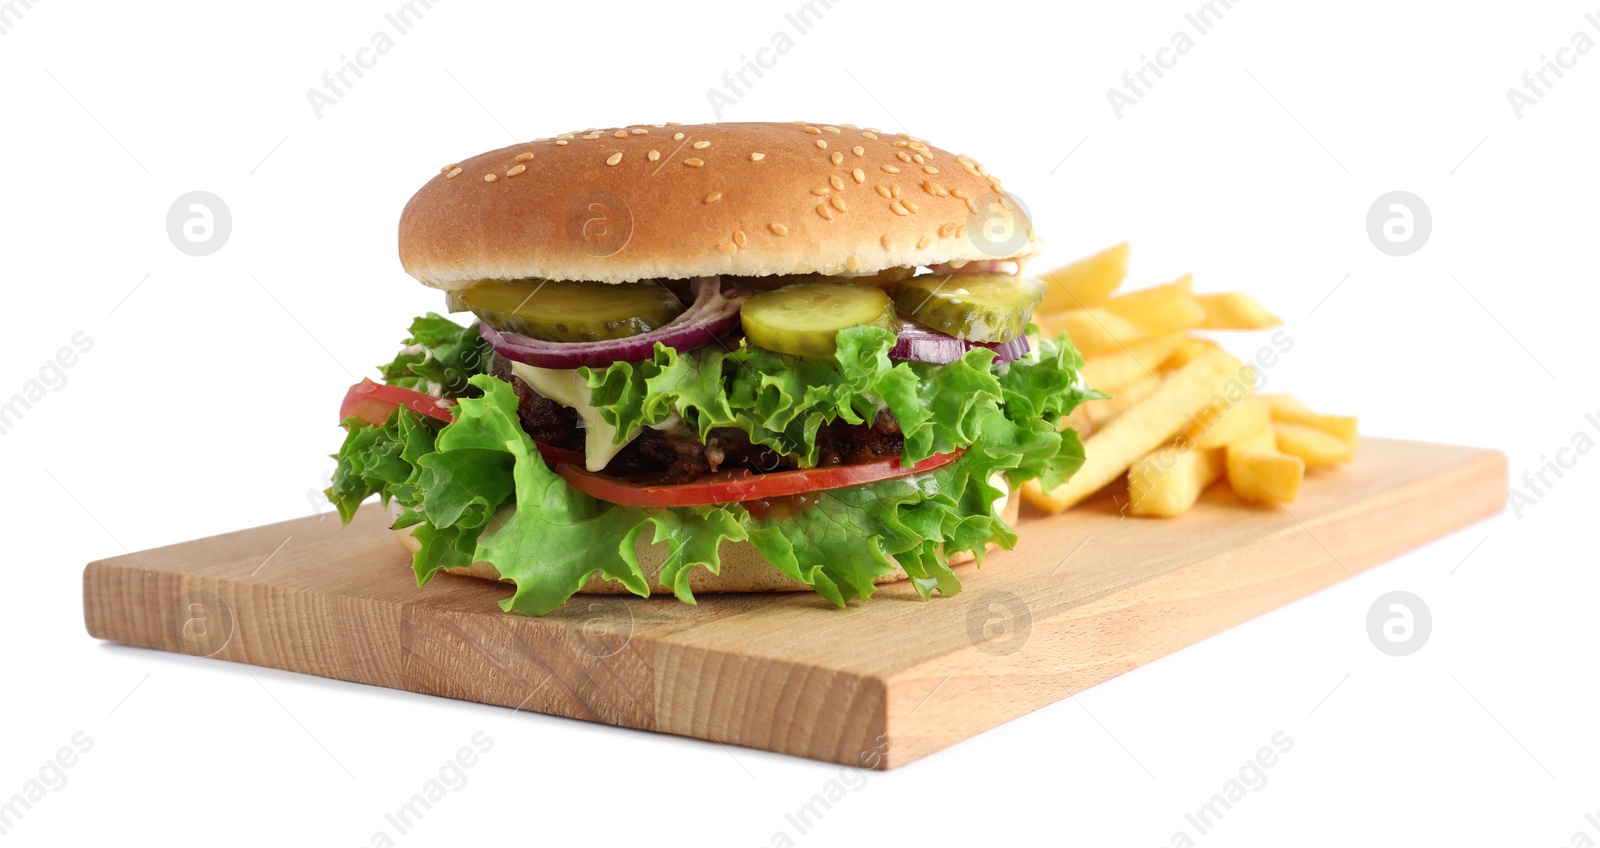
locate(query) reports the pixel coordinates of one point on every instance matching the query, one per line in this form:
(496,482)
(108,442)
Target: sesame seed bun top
(679,201)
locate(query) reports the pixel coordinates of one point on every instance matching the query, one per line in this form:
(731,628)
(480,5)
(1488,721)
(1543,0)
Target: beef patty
(681,457)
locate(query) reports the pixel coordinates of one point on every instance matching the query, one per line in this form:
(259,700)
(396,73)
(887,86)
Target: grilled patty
(679,458)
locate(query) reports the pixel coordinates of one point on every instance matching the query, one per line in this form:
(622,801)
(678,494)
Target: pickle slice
(803,319)
(567,311)
(992,308)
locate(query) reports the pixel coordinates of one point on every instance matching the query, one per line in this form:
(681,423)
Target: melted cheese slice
(565,387)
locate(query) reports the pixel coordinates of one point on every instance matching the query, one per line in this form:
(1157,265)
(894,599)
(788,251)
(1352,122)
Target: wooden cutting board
(1086,596)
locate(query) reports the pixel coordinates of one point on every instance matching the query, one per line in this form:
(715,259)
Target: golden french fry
(1161,308)
(1113,371)
(1079,419)
(1144,427)
(1093,331)
(1220,426)
(1235,311)
(1166,483)
(1258,472)
(1189,351)
(1101,412)
(1290,410)
(1086,282)
(1318,448)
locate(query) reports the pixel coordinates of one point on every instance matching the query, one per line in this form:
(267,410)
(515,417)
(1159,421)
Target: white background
(207,400)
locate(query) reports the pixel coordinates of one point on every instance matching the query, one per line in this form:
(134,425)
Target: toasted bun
(744,569)
(669,201)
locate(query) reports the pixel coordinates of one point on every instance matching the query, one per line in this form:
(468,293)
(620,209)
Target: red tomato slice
(742,485)
(372,402)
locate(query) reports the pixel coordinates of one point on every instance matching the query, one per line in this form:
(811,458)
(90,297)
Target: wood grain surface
(1086,596)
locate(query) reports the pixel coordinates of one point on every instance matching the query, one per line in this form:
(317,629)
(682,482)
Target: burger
(713,358)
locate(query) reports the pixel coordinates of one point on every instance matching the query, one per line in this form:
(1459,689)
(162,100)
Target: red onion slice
(711,316)
(921,343)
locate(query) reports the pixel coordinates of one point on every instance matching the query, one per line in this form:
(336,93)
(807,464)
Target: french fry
(1258,472)
(1144,427)
(1191,349)
(1220,427)
(1113,371)
(1318,448)
(1167,483)
(1235,311)
(1086,282)
(1093,331)
(1290,410)
(1161,308)
(1101,412)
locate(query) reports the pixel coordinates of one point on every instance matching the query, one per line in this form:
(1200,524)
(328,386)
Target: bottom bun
(743,569)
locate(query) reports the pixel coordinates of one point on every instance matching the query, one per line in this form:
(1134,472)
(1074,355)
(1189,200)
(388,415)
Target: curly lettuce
(453,482)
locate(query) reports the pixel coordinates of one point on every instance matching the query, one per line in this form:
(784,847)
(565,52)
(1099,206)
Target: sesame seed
(822,143)
(859,150)
(838,184)
(848,126)
(933,188)
(902,143)
(813,131)
(658,126)
(614,158)
(959,194)
(929,169)
(713,197)
(860,175)
(824,211)
(454,172)
(778,229)
(757,157)
(972,207)
(561,142)
(822,191)
(961,230)
(947,230)
(701,145)
(446,169)
(640,131)
(834,130)
(677,136)
(903,156)
(911,206)
(883,190)
(852,264)
(621,133)
(884,241)
(739,239)
(653,155)
(694,163)
(918,159)
(837,157)
(899,208)
(674,123)
(565,136)
(489,178)
(964,159)
(894,190)
(727,247)
(871,135)
(592,136)
(923,242)
(890,169)
(515,170)
(837,202)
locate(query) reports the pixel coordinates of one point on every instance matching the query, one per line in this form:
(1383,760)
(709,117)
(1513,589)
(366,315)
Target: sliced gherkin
(567,311)
(991,308)
(803,319)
